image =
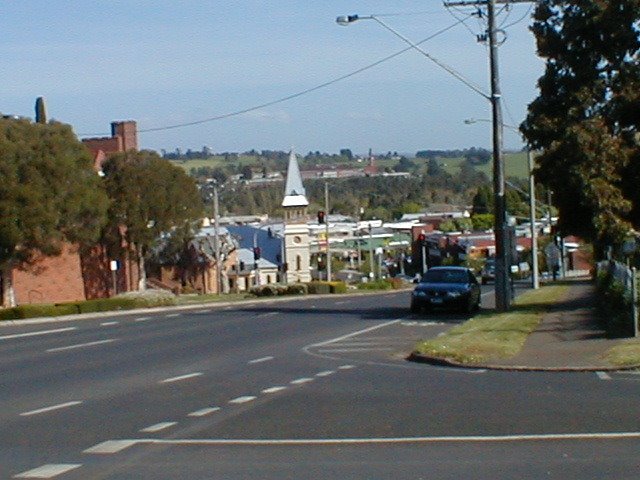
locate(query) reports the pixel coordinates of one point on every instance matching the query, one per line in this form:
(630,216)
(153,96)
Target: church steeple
(294,192)
(296,231)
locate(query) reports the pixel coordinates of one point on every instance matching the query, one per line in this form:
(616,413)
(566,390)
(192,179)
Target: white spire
(294,192)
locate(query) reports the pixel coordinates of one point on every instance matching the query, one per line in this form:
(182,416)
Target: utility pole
(503,261)
(216,238)
(535,273)
(326,228)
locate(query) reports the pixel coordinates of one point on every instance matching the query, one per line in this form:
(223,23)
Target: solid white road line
(50,470)
(81,345)
(108,324)
(363,441)
(158,426)
(181,377)
(273,389)
(35,334)
(50,409)
(348,350)
(300,381)
(326,373)
(204,411)
(245,399)
(353,334)
(259,360)
(603,376)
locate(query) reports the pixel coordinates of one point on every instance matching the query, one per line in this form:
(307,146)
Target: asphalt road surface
(311,388)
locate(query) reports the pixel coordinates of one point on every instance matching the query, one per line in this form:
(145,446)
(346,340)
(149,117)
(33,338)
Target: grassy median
(492,335)
(624,355)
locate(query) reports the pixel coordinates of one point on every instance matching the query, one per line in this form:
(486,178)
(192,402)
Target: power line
(294,95)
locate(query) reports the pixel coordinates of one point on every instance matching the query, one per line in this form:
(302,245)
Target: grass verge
(493,335)
(625,354)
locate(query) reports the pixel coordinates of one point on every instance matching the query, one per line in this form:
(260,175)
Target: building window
(298,263)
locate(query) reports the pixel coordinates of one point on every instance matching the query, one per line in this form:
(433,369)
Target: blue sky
(167,62)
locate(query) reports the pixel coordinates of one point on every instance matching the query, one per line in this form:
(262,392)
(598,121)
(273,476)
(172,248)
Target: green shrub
(383,284)
(319,287)
(614,306)
(264,291)
(38,310)
(297,289)
(337,287)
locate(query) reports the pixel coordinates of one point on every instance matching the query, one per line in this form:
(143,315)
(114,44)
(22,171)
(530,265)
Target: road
(304,388)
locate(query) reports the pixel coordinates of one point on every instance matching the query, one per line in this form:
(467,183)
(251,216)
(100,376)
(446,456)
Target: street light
(502,287)
(535,277)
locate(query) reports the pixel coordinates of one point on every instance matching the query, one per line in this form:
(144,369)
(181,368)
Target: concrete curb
(443,362)
(198,306)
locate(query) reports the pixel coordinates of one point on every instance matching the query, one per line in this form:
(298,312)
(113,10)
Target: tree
(483,200)
(247,172)
(150,196)
(585,119)
(346,152)
(477,156)
(50,195)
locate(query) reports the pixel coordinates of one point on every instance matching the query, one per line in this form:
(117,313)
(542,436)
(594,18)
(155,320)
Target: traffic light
(321,216)
(256,253)
(421,238)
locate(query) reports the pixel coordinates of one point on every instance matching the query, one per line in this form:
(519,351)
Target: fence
(628,278)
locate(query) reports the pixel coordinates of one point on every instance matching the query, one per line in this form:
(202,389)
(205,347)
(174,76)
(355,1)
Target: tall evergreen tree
(585,119)
(150,196)
(49,195)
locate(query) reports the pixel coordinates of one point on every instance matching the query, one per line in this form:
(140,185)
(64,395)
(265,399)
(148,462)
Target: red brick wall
(106,144)
(128,132)
(51,280)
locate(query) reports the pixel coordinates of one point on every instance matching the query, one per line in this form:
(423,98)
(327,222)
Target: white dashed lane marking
(142,319)
(51,408)
(245,399)
(273,389)
(300,381)
(158,426)
(603,376)
(259,360)
(326,373)
(182,377)
(108,324)
(346,367)
(204,411)
(50,470)
(110,446)
(173,315)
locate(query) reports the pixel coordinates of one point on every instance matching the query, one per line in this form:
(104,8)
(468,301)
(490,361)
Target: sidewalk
(568,338)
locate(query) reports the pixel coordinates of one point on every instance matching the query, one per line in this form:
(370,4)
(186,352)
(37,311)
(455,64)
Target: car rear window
(445,276)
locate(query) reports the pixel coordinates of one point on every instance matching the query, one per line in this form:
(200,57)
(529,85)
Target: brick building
(79,275)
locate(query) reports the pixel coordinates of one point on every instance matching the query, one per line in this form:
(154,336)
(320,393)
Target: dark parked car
(447,287)
(488,272)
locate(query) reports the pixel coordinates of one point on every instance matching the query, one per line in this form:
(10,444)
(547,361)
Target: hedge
(125,302)
(320,287)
